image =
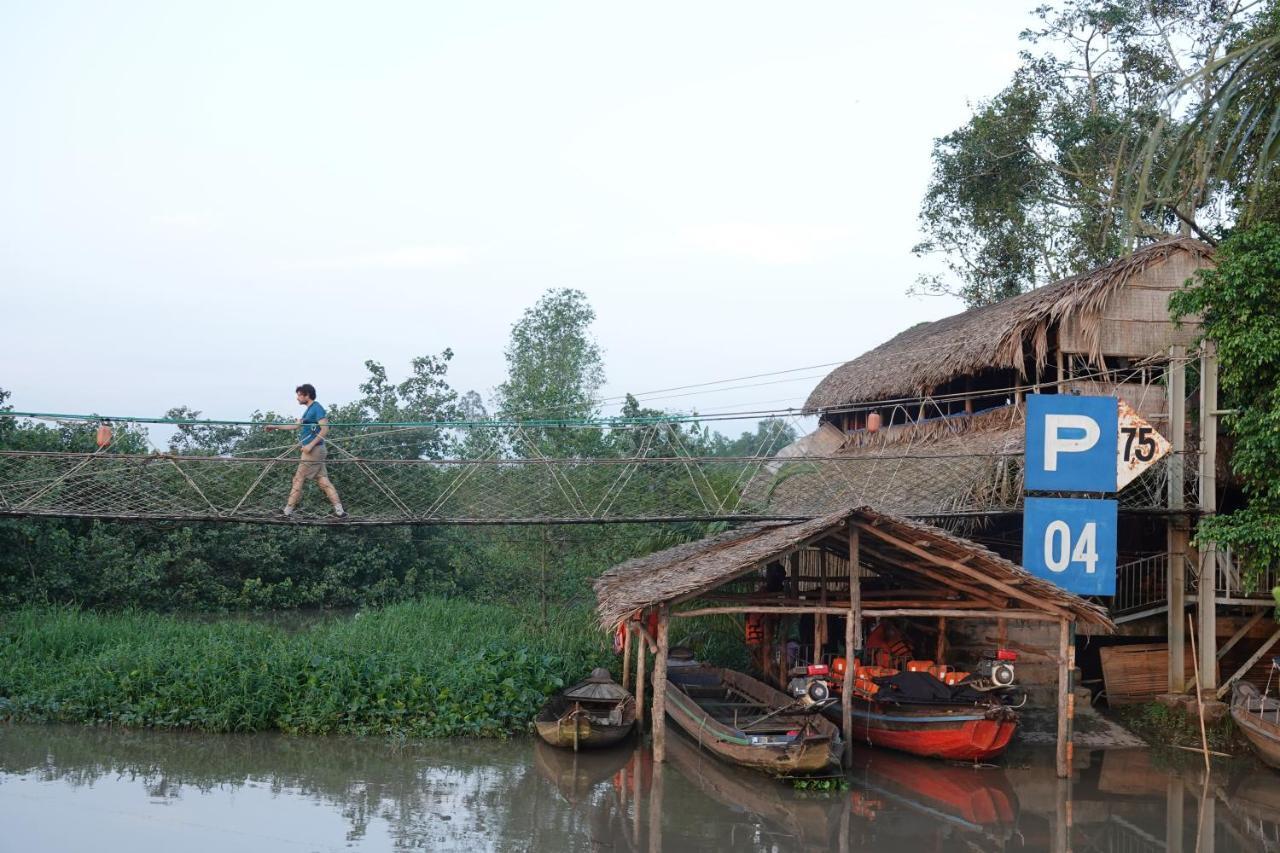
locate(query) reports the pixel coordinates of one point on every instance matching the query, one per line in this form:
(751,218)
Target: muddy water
(83,789)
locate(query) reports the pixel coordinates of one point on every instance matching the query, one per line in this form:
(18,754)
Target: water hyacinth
(431,668)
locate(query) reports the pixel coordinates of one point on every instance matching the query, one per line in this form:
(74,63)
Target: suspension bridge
(503,474)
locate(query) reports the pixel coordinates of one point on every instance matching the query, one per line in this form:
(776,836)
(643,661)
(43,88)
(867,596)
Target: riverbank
(431,668)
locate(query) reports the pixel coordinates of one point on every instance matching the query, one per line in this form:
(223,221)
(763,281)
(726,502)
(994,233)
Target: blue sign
(1072,443)
(1071,542)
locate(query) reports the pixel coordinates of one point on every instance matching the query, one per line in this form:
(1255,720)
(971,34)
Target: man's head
(306,393)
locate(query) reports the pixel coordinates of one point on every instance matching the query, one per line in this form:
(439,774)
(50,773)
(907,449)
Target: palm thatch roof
(685,572)
(954,465)
(996,336)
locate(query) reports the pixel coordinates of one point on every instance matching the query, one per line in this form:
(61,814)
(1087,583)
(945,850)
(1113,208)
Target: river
(70,788)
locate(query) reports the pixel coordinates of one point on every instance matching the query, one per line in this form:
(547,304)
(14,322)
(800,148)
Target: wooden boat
(747,722)
(590,714)
(1258,716)
(929,710)
(952,732)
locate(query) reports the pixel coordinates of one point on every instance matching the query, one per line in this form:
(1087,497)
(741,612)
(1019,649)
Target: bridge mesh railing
(505,490)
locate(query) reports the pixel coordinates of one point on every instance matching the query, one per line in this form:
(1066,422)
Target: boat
(930,710)
(1258,717)
(749,723)
(593,713)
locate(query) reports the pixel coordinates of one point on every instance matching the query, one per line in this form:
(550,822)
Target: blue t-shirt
(310,423)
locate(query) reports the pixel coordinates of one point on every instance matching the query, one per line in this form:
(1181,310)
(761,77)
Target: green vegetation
(1162,726)
(1127,120)
(555,369)
(1239,301)
(432,668)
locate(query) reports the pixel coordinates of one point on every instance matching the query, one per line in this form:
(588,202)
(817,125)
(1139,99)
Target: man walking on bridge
(314,426)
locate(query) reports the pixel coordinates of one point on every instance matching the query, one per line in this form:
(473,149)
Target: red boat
(930,709)
(954,732)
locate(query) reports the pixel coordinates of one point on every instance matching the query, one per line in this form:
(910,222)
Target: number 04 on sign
(1071,542)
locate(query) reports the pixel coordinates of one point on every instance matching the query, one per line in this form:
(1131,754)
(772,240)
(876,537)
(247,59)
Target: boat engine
(995,674)
(809,686)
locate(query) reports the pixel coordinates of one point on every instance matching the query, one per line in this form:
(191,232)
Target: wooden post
(1066,699)
(659,724)
(852,643)
(1208,506)
(626,655)
(1062,384)
(940,651)
(1176,583)
(641,648)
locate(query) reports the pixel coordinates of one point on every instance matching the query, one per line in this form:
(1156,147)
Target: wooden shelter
(857,563)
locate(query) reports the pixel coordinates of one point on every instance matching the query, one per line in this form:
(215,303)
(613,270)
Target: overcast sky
(206,204)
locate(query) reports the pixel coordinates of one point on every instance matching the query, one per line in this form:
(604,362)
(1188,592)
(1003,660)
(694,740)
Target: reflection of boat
(1258,716)
(1254,800)
(592,713)
(747,722)
(813,823)
(978,799)
(574,774)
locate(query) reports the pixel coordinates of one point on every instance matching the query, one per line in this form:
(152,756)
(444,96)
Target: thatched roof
(961,464)
(928,355)
(686,571)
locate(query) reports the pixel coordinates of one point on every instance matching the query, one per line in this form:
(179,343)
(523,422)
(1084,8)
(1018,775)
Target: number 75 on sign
(1072,543)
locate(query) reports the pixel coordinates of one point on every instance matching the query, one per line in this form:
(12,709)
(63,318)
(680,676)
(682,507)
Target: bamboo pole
(1204,738)
(660,689)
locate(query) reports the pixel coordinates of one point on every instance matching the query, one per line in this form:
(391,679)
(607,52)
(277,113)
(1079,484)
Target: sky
(206,204)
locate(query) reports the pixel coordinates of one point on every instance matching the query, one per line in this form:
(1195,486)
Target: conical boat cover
(599,687)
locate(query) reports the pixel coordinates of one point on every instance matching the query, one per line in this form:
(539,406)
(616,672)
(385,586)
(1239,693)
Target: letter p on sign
(1071,443)
(1058,426)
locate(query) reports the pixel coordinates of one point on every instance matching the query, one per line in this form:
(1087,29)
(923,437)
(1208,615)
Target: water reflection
(145,790)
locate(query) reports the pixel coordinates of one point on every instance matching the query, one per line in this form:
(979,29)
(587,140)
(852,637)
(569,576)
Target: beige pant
(312,465)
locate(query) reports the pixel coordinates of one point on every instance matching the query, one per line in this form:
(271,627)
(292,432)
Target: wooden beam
(940,651)
(968,571)
(756,608)
(1023,615)
(660,689)
(1239,635)
(951,583)
(1248,665)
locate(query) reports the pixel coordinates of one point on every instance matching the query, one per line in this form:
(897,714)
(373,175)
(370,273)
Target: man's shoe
(341,516)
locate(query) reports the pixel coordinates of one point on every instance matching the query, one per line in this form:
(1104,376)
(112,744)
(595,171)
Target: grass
(1161,726)
(432,668)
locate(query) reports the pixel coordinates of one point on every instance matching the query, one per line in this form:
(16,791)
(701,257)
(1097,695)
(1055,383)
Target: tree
(554,369)
(1239,301)
(1233,135)
(1038,184)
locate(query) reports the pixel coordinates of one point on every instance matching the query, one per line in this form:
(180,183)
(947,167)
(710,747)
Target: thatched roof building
(896,554)
(1085,314)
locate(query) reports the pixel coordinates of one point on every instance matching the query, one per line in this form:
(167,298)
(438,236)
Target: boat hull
(950,732)
(1258,718)
(569,725)
(808,753)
